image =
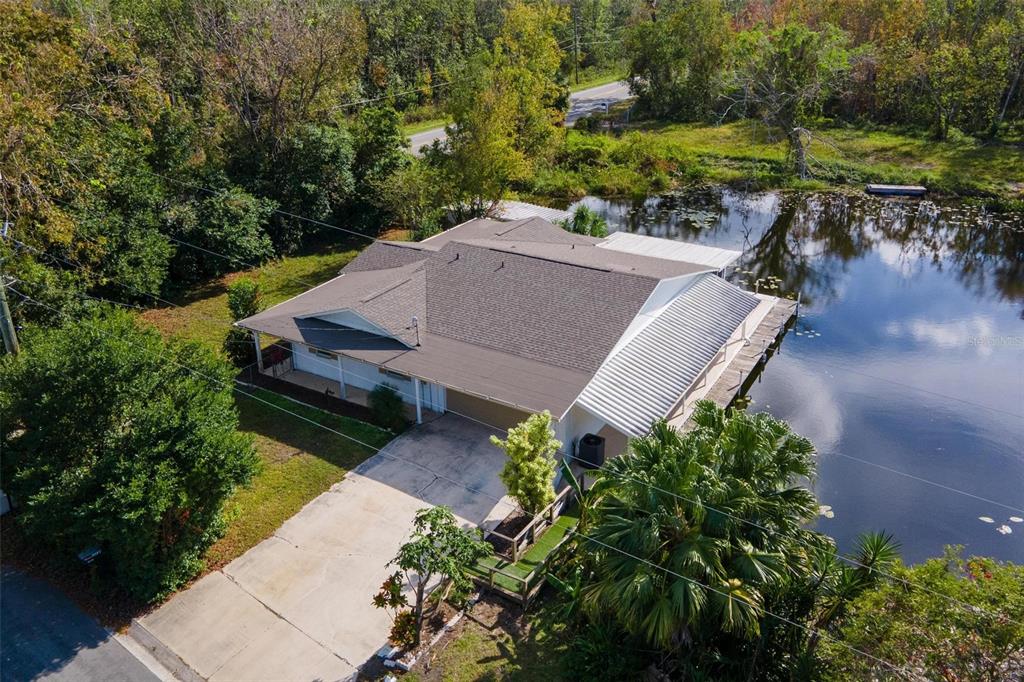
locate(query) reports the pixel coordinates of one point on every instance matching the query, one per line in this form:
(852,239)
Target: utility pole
(575,45)
(6,323)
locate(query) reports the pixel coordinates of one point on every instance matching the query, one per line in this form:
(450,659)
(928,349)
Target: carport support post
(419,400)
(259,351)
(341,379)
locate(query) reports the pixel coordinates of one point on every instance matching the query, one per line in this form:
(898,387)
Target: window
(393,375)
(322,354)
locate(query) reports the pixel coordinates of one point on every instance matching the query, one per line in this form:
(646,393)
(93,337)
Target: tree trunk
(421,589)
(1009,95)
(796,144)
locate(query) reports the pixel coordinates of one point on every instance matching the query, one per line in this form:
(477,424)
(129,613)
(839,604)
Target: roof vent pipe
(416,326)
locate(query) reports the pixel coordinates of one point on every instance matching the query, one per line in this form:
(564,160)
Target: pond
(906,365)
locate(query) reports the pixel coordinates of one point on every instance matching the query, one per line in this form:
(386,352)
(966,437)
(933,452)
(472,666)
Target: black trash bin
(591,451)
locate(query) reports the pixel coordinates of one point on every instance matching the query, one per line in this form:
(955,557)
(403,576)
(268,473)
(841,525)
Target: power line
(692,581)
(969,607)
(192,370)
(852,457)
(936,394)
(469,488)
(850,560)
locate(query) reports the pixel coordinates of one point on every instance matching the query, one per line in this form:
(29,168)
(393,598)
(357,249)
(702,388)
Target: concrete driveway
(297,606)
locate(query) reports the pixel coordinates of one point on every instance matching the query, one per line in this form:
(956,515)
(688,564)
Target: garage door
(490,413)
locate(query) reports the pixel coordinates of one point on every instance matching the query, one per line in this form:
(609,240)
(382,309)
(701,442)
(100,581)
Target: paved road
(582,103)
(43,635)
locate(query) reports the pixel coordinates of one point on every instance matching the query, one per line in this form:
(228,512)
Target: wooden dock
(750,360)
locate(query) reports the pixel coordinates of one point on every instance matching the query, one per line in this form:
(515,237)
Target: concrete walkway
(298,605)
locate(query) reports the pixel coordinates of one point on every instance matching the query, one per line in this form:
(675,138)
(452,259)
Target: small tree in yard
(109,441)
(439,548)
(530,470)
(244,300)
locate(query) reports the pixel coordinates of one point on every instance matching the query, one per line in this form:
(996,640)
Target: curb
(162,653)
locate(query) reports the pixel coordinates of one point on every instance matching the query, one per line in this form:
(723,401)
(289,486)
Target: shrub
(110,442)
(231,222)
(404,629)
(387,407)
(586,221)
(244,300)
(558,182)
(530,470)
(581,151)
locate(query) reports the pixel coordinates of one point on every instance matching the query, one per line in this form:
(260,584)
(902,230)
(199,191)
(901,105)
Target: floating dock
(896,190)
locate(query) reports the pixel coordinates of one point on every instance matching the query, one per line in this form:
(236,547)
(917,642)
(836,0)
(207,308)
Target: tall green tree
(506,110)
(784,76)
(924,619)
(110,442)
(678,58)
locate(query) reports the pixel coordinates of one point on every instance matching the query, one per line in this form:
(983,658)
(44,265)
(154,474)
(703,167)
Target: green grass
(655,156)
(204,316)
(594,80)
(300,460)
(530,650)
(421,126)
(534,556)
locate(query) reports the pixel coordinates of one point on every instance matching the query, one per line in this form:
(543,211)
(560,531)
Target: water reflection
(909,353)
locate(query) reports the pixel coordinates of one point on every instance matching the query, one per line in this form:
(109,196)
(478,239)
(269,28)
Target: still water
(906,364)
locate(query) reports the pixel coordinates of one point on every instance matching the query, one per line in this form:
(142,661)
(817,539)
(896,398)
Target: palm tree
(720,507)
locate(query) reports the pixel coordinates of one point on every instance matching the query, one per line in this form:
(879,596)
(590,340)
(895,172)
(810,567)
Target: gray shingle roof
(521,312)
(544,310)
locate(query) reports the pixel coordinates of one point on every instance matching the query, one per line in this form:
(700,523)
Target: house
(496,320)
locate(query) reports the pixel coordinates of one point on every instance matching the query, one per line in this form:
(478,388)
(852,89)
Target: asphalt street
(582,103)
(44,636)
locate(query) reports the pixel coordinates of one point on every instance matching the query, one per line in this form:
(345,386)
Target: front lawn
(300,461)
(203,313)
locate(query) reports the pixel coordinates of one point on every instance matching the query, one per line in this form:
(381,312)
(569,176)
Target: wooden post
(419,400)
(259,351)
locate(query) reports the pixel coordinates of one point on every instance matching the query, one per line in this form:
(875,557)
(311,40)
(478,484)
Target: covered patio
(331,389)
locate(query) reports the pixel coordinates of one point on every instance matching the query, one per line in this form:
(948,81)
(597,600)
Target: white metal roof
(517,210)
(648,376)
(671,249)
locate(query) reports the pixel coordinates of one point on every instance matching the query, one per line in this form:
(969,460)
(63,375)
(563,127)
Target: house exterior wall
(366,376)
(578,422)
(492,414)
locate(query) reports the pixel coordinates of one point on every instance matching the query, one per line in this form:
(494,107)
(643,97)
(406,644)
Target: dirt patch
(509,527)
(495,616)
(329,403)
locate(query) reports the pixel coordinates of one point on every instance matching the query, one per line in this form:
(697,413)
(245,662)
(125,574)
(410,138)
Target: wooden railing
(540,522)
(527,586)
